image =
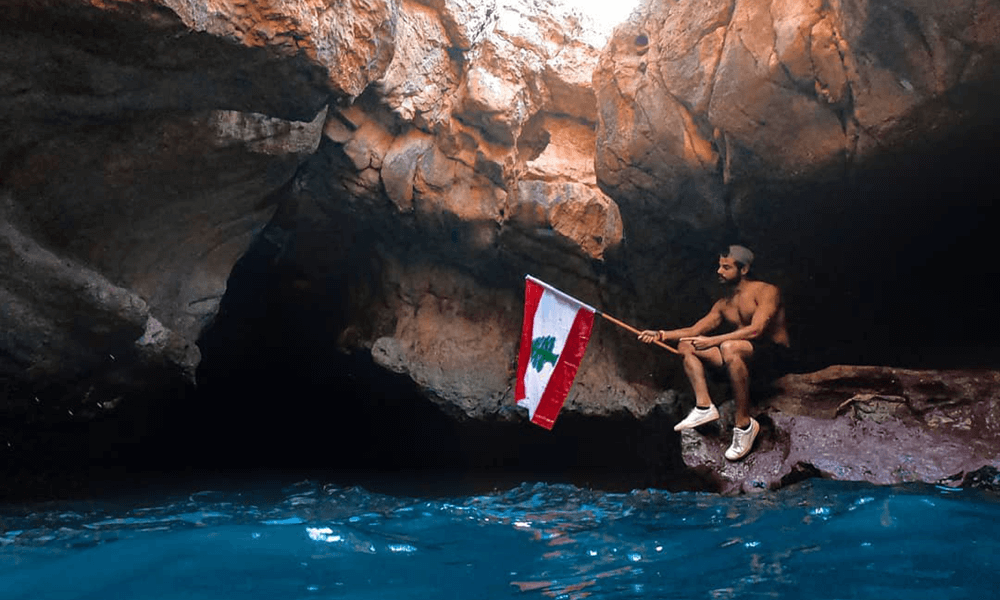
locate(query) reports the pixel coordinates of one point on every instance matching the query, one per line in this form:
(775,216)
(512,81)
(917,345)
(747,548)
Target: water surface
(312,541)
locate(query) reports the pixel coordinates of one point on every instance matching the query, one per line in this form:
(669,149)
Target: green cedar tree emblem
(541,352)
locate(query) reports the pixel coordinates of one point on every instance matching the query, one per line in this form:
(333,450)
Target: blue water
(314,541)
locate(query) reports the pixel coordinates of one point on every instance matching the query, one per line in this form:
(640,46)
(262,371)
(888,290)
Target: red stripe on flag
(532,296)
(564,372)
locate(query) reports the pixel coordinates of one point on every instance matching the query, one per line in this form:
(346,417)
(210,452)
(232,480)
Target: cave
(305,251)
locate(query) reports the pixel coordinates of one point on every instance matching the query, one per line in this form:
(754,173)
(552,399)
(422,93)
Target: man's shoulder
(759,287)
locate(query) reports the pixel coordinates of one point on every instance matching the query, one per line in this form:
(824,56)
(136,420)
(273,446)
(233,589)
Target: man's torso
(738,310)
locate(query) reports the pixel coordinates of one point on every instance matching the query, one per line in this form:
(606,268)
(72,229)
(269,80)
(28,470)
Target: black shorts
(771,360)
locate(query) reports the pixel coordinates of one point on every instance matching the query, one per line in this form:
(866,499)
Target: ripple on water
(818,540)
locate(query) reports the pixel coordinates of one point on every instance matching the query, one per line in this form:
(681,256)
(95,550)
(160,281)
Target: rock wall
(146,144)
(402,164)
(708,107)
(471,154)
(138,160)
(837,139)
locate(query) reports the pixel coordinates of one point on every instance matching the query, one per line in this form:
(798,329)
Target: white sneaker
(697,417)
(743,440)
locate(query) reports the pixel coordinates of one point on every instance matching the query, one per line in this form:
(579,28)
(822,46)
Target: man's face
(729,272)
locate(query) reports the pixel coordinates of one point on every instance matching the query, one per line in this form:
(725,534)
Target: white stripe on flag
(561,294)
(554,318)
(554,336)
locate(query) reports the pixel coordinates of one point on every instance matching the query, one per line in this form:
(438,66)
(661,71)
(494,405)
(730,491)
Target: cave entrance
(275,393)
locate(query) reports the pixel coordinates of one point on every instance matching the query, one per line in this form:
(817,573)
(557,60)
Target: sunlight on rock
(606,15)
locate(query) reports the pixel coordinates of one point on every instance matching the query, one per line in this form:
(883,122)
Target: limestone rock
(399,169)
(575,212)
(449,344)
(651,83)
(132,182)
(354,40)
(852,423)
(262,134)
(422,78)
(471,105)
(537,58)
(567,150)
(465,21)
(704,102)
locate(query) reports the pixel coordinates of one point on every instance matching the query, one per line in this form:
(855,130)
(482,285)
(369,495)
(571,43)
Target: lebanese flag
(553,339)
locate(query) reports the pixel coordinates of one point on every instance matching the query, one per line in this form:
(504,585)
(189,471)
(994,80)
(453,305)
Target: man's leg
(695,370)
(704,411)
(736,354)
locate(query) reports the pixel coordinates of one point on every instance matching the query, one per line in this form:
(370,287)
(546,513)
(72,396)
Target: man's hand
(649,336)
(701,342)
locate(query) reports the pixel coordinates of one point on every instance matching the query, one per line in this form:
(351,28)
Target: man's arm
(768,303)
(705,324)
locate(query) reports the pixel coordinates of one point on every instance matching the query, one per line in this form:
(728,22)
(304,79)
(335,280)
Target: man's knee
(734,352)
(687,349)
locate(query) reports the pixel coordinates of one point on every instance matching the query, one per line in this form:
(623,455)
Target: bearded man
(758,336)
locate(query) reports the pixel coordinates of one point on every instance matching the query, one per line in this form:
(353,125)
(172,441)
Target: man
(759,335)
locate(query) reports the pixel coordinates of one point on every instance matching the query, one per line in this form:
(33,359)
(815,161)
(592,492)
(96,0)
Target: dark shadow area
(907,276)
(887,261)
(274,395)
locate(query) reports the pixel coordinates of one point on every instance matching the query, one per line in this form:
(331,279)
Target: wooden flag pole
(635,331)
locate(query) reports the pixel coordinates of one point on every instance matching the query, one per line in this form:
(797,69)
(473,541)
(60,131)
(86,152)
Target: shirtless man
(753,308)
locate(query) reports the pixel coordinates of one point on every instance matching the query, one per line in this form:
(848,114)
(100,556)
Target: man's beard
(728,286)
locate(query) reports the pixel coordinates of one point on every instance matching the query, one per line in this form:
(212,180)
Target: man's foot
(743,440)
(698,416)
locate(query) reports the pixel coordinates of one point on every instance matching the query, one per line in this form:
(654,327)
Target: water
(314,541)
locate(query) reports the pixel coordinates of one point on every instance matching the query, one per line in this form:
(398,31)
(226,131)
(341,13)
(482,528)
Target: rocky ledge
(851,423)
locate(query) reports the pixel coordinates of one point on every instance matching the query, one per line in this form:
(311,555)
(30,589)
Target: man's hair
(741,255)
